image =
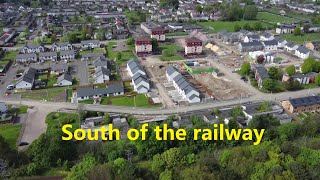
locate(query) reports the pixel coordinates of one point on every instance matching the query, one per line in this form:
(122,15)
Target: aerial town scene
(181,64)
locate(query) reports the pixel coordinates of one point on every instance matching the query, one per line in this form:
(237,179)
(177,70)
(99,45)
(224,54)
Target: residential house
(90,44)
(165,18)
(102,75)
(308,78)
(58,68)
(193,46)
(91,56)
(251,37)
(93,93)
(63,46)
(290,46)
(140,80)
(251,110)
(7,36)
(314,45)
(271,45)
(64,80)
(298,105)
(281,42)
(228,37)
(266,36)
(182,18)
(251,46)
(261,74)
(143,45)
(285,28)
(46,56)
(26,58)
(158,33)
(33,48)
(182,85)
(302,52)
(26,81)
(67,55)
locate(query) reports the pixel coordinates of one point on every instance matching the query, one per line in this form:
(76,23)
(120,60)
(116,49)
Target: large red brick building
(193,46)
(143,45)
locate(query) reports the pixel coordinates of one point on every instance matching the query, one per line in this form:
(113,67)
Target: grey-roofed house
(140,80)
(92,92)
(102,75)
(59,68)
(261,74)
(101,62)
(308,78)
(266,36)
(302,52)
(89,56)
(134,66)
(298,105)
(251,37)
(182,85)
(33,48)
(251,46)
(67,55)
(291,46)
(62,46)
(281,42)
(48,56)
(64,80)
(90,44)
(26,81)
(229,37)
(26,58)
(271,45)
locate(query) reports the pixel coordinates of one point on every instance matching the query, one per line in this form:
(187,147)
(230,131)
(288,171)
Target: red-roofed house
(143,45)
(193,46)
(158,33)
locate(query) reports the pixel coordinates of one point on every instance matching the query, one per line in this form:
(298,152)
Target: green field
(141,100)
(44,94)
(301,39)
(177,34)
(10,133)
(217,26)
(11,55)
(125,55)
(95,50)
(273,18)
(171,58)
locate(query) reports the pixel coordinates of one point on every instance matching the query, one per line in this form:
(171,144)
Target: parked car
(10,87)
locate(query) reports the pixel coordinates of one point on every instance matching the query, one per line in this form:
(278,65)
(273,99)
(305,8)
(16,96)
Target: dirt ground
(222,89)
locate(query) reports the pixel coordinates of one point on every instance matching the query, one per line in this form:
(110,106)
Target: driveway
(82,72)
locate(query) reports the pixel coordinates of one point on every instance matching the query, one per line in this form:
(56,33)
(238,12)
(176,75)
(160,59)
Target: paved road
(157,111)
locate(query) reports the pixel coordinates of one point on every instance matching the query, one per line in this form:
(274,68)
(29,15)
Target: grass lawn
(3,63)
(42,77)
(177,34)
(56,120)
(125,55)
(10,133)
(95,50)
(140,101)
(170,58)
(301,39)
(88,101)
(20,110)
(217,26)
(42,94)
(310,86)
(273,18)
(11,55)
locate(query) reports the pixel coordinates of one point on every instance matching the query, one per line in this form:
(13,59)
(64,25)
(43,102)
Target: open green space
(11,55)
(125,55)
(301,39)
(274,18)
(56,120)
(10,133)
(19,110)
(171,47)
(87,101)
(217,26)
(140,100)
(177,33)
(43,94)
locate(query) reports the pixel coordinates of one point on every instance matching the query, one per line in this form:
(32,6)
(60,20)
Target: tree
(250,12)
(166,175)
(130,41)
(270,85)
(215,111)
(247,27)
(237,27)
(118,56)
(172,157)
(89,19)
(297,31)
(291,70)
(264,122)
(155,43)
(260,59)
(292,85)
(245,69)
(120,165)
(106,119)
(317,80)
(198,8)
(208,8)
(275,73)
(82,169)
(258,26)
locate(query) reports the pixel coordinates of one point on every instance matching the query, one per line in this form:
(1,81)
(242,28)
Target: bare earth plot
(222,89)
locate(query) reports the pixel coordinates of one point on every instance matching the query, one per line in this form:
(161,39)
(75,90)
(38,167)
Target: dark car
(23,144)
